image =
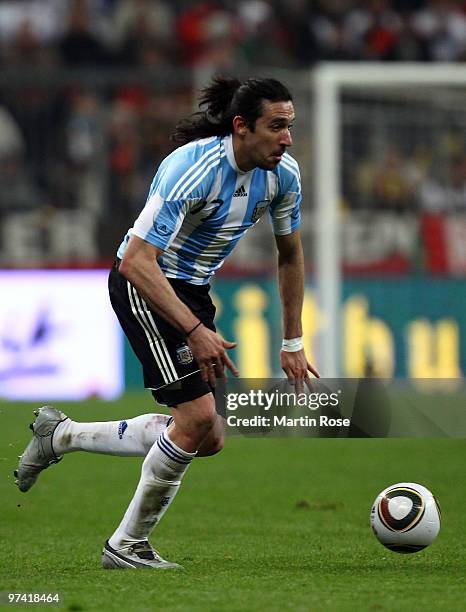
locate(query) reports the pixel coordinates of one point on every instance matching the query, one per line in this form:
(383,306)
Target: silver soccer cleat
(39,453)
(137,556)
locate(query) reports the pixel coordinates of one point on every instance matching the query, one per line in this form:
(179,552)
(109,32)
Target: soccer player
(231,167)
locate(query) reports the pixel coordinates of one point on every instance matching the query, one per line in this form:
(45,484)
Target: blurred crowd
(77,153)
(422,180)
(222,33)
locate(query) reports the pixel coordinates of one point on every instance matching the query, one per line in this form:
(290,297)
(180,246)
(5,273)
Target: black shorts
(168,365)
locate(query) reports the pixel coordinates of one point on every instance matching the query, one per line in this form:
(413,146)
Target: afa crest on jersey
(259,210)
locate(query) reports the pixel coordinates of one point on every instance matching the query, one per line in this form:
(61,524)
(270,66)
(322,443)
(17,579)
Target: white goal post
(328,81)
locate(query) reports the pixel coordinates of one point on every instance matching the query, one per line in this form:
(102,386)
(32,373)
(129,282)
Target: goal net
(389,160)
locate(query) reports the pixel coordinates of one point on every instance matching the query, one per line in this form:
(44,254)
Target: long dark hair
(225,98)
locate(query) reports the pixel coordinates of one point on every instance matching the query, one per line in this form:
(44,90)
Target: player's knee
(211,446)
(195,421)
(203,421)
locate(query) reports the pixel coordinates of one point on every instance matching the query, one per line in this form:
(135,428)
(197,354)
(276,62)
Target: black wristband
(195,327)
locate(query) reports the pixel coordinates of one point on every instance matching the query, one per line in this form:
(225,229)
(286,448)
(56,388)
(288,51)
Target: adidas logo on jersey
(240,192)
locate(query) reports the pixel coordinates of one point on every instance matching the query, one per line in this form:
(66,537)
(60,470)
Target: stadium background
(89,92)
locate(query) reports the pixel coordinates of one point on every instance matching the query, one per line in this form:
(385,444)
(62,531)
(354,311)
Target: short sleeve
(285,213)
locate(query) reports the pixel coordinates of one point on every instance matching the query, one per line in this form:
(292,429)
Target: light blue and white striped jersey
(200,204)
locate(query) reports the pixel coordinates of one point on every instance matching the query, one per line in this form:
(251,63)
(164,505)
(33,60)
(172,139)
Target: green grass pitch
(269,524)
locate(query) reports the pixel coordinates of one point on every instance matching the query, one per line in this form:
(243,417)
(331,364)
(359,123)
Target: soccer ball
(405,517)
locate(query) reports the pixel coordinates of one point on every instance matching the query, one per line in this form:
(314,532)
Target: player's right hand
(209,349)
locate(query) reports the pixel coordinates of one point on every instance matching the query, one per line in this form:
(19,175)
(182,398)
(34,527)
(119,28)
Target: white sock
(161,474)
(127,438)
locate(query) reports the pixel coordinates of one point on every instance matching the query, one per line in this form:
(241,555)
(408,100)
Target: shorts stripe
(156,343)
(161,343)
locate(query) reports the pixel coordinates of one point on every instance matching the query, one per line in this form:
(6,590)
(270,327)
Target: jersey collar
(228,144)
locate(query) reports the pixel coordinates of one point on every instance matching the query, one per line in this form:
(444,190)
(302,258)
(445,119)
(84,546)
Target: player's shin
(126,438)
(162,471)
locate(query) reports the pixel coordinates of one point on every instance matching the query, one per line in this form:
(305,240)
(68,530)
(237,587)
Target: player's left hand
(297,368)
